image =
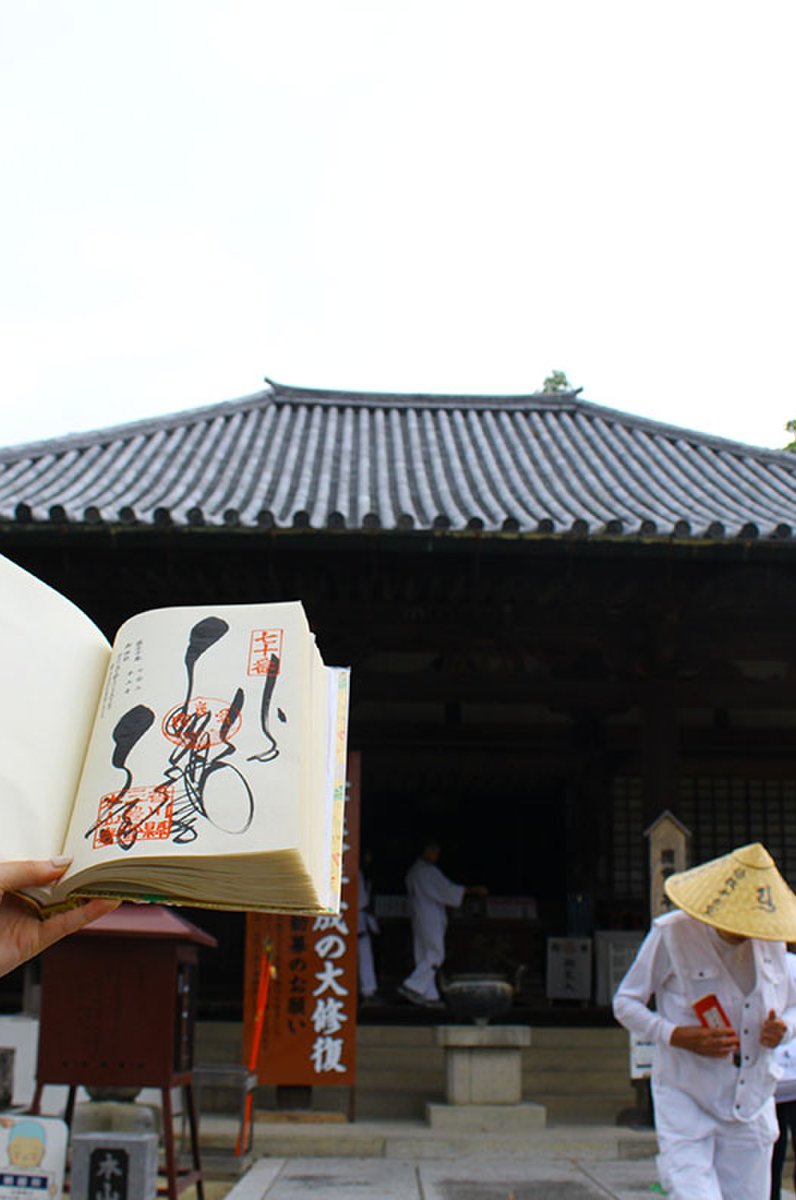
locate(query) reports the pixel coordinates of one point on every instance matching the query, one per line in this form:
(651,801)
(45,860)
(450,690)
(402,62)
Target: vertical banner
(309,1036)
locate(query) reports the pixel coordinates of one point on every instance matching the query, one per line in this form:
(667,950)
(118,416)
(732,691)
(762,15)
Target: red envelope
(711,1014)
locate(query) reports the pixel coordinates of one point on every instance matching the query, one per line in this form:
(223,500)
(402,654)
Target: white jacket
(786,1056)
(430,895)
(679,963)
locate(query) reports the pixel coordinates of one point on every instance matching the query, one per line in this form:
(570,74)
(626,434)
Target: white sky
(434,195)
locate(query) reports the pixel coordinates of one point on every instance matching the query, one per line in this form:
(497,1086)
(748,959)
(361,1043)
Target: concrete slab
(348,1179)
(498,1180)
(543,1176)
(628,1180)
(256,1182)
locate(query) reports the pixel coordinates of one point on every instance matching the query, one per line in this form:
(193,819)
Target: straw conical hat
(742,893)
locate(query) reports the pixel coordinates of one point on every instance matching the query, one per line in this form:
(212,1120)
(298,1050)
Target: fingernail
(61,860)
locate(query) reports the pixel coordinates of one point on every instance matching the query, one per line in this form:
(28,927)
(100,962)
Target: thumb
(62,924)
(772,1016)
(24,874)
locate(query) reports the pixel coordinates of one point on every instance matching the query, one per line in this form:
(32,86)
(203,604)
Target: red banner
(309,1035)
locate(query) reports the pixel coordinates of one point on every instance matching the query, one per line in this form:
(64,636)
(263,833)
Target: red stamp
(144,812)
(265,651)
(201,724)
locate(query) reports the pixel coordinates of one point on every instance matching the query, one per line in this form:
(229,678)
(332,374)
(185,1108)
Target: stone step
(407,1139)
(225,1038)
(545,1068)
(566,1083)
(395,1035)
(218,1041)
(587,1108)
(565,1037)
(573,1057)
(541,1036)
(578,1074)
(412,1077)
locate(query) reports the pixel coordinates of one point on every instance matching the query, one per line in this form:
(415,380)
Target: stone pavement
(459,1179)
(396,1161)
(405,1160)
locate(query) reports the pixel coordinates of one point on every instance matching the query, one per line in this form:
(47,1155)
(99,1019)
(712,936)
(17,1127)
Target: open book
(200,760)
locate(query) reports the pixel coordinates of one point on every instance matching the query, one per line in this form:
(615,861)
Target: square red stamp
(142,814)
(265,651)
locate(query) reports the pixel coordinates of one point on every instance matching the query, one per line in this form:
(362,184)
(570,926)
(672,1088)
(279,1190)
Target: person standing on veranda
(367,926)
(431,894)
(713,1085)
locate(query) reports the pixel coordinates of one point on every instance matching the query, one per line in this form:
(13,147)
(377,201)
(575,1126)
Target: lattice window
(629,871)
(725,813)
(721,813)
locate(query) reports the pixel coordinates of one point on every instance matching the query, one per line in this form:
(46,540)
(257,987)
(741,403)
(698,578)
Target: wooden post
(668,853)
(660,751)
(669,841)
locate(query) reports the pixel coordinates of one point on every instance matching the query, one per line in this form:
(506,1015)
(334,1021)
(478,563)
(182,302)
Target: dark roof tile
(300,458)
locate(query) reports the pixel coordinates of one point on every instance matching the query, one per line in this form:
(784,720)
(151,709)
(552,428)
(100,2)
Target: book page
(53,666)
(199,742)
(338,682)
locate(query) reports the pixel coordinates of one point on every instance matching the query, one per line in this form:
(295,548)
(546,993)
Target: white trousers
(703,1158)
(429,950)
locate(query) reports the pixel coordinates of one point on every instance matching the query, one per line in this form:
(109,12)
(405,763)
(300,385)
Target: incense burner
(478,997)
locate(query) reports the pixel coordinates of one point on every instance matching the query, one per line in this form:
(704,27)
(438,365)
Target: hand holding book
(22,933)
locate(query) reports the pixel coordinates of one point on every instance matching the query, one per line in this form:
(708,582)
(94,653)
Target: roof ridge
(560,401)
(287,394)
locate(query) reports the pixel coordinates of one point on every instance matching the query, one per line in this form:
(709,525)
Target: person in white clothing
(431,894)
(785,1100)
(720,955)
(367,925)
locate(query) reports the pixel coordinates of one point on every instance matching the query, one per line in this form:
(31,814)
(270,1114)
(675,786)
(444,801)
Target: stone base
(117,1116)
(483,1064)
(487,1118)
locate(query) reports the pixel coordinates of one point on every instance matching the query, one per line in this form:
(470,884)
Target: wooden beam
(414,687)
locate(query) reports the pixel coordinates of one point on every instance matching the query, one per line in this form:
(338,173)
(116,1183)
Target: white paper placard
(568,968)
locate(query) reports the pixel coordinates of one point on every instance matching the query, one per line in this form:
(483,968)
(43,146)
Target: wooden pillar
(586,816)
(660,751)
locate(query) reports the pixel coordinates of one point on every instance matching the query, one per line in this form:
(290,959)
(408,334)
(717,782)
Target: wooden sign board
(668,850)
(309,1036)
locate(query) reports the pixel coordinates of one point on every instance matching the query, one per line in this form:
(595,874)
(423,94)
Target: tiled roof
(291,458)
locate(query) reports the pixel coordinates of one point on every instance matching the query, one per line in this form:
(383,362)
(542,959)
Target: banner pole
(264,978)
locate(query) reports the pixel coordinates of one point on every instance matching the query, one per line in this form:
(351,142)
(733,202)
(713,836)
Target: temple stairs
(580,1075)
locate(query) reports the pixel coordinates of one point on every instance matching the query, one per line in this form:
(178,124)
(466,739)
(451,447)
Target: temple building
(561,620)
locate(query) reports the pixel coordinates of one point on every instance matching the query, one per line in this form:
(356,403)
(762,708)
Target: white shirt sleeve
(646,976)
(441,890)
(789,1014)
